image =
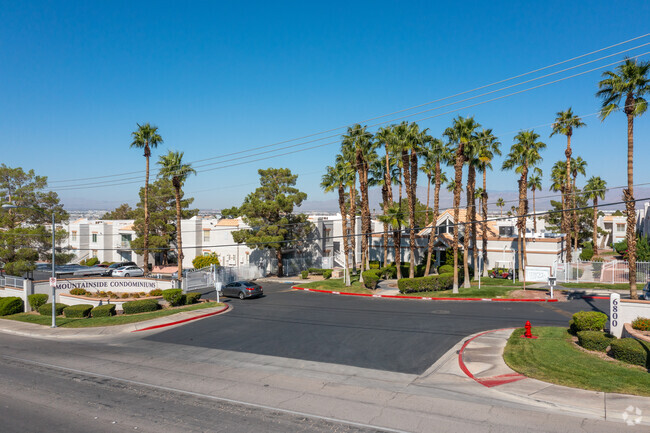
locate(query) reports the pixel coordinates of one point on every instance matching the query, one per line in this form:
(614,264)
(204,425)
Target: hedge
(192,298)
(432,283)
(641,323)
(370,278)
(36,300)
(445,269)
(141,306)
(46,309)
(173,296)
(78,291)
(77,311)
(595,340)
(631,351)
(327,274)
(11,305)
(588,321)
(105,310)
(586,254)
(391,271)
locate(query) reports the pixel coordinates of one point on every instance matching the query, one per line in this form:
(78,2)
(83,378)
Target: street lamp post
(11,206)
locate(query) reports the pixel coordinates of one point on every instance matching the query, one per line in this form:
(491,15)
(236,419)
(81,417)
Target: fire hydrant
(528,333)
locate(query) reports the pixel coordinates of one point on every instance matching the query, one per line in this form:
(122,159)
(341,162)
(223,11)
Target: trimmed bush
(374,264)
(370,278)
(595,340)
(173,296)
(155,292)
(78,291)
(36,300)
(11,305)
(327,274)
(446,269)
(432,283)
(192,298)
(105,310)
(589,321)
(641,324)
(46,309)
(586,254)
(304,275)
(140,306)
(77,311)
(631,351)
(315,271)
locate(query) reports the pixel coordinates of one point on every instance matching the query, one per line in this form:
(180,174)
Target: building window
(620,227)
(73,237)
(94,239)
(508,231)
(206,235)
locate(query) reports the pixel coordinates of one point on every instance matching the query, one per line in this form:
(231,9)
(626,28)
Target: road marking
(197,394)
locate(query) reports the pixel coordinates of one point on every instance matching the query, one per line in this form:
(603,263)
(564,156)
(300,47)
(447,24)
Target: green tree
(378,178)
(396,218)
(535,184)
(122,212)
(336,178)
(500,204)
(436,155)
(204,261)
(578,166)
(269,213)
(173,168)
(629,82)
(24,238)
(488,146)
(594,190)
(584,216)
(146,137)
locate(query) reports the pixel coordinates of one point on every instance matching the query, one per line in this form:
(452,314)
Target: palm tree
(564,124)
(472,161)
(524,155)
(437,153)
(594,190)
(459,134)
(345,165)
(630,81)
(535,184)
(500,204)
(578,166)
(390,171)
(172,167)
(377,177)
(489,146)
(337,177)
(558,184)
(396,219)
(146,137)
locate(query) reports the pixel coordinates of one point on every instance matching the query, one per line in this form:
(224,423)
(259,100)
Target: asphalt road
(405,336)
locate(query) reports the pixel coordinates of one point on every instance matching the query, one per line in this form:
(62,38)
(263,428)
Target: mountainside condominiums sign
(113,284)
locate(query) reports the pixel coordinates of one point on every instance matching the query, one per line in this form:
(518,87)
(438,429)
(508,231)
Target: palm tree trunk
(407,184)
(566,224)
(628,196)
(474,231)
(484,203)
(436,203)
(412,200)
(471,175)
(387,178)
(346,242)
(426,211)
(179,238)
(534,213)
(521,222)
(353,224)
(147,153)
(397,240)
(595,236)
(362,165)
(574,216)
(458,167)
(384,196)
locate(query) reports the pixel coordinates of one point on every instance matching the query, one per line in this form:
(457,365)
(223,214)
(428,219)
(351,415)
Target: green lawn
(554,358)
(106,321)
(601,286)
(336,285)
(472,292)
(487,281)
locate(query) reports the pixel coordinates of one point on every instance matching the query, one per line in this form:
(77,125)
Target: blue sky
(224,77)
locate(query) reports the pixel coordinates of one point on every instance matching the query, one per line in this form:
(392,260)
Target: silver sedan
(128,271)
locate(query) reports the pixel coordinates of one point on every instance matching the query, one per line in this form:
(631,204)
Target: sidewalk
(481,359)
(39,331)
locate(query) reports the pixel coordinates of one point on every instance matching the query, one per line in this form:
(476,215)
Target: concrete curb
(178,322)
(424,298)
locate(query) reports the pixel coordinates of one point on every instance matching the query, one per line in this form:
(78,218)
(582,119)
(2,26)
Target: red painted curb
(424,297)
(594,297)
(164,325)
(488,382)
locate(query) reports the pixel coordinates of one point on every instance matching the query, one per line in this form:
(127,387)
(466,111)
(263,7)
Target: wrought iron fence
(10,281)
(609,272)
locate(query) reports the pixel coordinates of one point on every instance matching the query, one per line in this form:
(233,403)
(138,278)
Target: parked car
(109,270)
(128,271)
(505,274)
(242,289)
(645,295)
(185,272)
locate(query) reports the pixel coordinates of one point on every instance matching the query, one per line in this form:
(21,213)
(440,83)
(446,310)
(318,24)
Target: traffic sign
(52,281)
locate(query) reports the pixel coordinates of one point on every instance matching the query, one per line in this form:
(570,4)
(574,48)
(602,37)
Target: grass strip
(603,286)
(554,358)
(92,322)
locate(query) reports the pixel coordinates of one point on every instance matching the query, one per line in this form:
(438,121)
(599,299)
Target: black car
(111,268)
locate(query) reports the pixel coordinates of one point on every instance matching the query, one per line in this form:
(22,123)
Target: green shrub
(641,323)
(631,351)
(595,340)
(11,305)
(155,292)
(173,296)
(204,261)
(586,254)
(192,298)
(36,300)
(432,283)
(445,269)
(78,291)
(589,321)
(374,264)
(304,275)
(140,306)
(105,310)
(327,274)
(315,271)
(77,311)
(389,272)
(46,309)
(370,279)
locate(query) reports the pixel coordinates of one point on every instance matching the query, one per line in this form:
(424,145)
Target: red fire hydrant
(528,333)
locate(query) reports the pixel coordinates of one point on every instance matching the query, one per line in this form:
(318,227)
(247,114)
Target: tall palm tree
(489,146)
(172,167)
(565,123)
(472,161)
(630,82)
(377,177)
(578,166)
(396,219)
(385,136)
(535,184)
(146,137)
(437,154)
(337,177)
(558,184)
(348,158)
(524,155)
(594,190)
(500,204)
(459,134)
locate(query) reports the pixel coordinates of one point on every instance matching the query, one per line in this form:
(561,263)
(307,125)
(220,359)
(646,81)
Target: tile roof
(230,222)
